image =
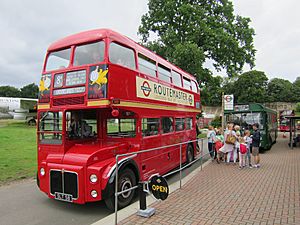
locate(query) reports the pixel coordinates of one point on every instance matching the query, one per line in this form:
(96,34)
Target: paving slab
(225,194)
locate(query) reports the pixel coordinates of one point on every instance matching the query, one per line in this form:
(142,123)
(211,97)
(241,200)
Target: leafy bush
(216,122)
(298,107)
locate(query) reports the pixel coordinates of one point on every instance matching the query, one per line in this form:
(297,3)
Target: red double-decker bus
(284,124)
(102,94)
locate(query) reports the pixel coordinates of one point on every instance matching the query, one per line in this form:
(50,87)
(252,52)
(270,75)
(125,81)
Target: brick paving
(224,194)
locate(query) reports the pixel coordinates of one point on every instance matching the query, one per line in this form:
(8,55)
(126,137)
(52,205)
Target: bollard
(142,196)
(144,211)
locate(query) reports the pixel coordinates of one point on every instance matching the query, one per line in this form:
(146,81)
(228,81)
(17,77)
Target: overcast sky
(29,27)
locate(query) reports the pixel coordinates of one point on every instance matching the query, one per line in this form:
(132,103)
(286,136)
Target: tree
(29,91)
(211,93)
(297,109)
(191,31)
(9,91)
(296,90)
(250,86)
(280,90)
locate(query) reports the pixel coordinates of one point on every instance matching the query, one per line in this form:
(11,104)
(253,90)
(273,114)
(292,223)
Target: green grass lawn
(17,151)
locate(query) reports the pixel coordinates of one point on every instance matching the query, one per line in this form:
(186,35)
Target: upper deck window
(89,54)
(58,60)
(147,66)
(164,73)
(176,78)
(121,55)
(186,83)
(194,87)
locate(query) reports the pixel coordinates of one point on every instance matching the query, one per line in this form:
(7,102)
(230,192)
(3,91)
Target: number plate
(63,197)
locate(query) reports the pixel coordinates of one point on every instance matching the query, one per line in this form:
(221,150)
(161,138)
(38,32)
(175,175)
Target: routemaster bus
(248,115)
(284,124)
(101,94)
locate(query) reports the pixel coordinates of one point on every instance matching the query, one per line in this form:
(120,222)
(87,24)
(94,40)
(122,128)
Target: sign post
(223,116)
(227,104)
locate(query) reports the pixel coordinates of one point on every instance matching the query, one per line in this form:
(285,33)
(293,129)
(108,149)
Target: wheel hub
(126,184)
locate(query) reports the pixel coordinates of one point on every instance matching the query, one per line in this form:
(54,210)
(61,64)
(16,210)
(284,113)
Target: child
(237,143)
(219,142)
(242,153)
(248,141)
(211,134)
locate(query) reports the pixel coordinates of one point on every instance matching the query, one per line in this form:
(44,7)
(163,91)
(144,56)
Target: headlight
(94,193)
(42,171)
(93,178)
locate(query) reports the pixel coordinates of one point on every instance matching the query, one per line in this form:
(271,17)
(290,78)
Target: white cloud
(276,25)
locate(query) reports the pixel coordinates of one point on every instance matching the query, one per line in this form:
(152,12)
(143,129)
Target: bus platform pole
(144,211)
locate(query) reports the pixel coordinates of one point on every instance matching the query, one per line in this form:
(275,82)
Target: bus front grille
(64,182)
(68,101)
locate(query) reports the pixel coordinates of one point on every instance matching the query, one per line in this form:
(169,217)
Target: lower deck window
(189,123)
(81,124)
(121,127)
(150,126)
(50,127)
(167,124)
(179,124)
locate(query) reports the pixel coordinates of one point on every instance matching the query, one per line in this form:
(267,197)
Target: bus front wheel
(126,181)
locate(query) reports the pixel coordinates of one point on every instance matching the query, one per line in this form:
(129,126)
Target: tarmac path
(22,203)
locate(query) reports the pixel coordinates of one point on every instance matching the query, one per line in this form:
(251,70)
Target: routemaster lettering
(163,93)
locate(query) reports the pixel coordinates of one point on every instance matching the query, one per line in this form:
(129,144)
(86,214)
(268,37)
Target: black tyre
(126,180)
(32,122)
(37,180)
(189,154)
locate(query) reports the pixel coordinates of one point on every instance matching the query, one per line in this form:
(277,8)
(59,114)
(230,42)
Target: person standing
(211,135)
(242,153)
(255,146)
(236,149)
(219,142)
(228,146)
(248,141)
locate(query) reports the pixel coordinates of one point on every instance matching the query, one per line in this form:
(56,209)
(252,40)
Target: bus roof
(251,107)
(98,34)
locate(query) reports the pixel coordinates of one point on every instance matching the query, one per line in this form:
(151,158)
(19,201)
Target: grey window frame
(145,65)
(189,123)
(121,133)
(164,73)
(178,122)
(128,62)
(185,86)
(54,64)
(175,80)
(89,54)
(165,129)
(194,86)
(150,121)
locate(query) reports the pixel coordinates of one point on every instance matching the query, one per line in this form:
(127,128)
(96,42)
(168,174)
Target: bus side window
(121,55)
(186,83)
(150,126)
(167,124)
(179,124)
(146,65)
(164,73)
(188,123)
